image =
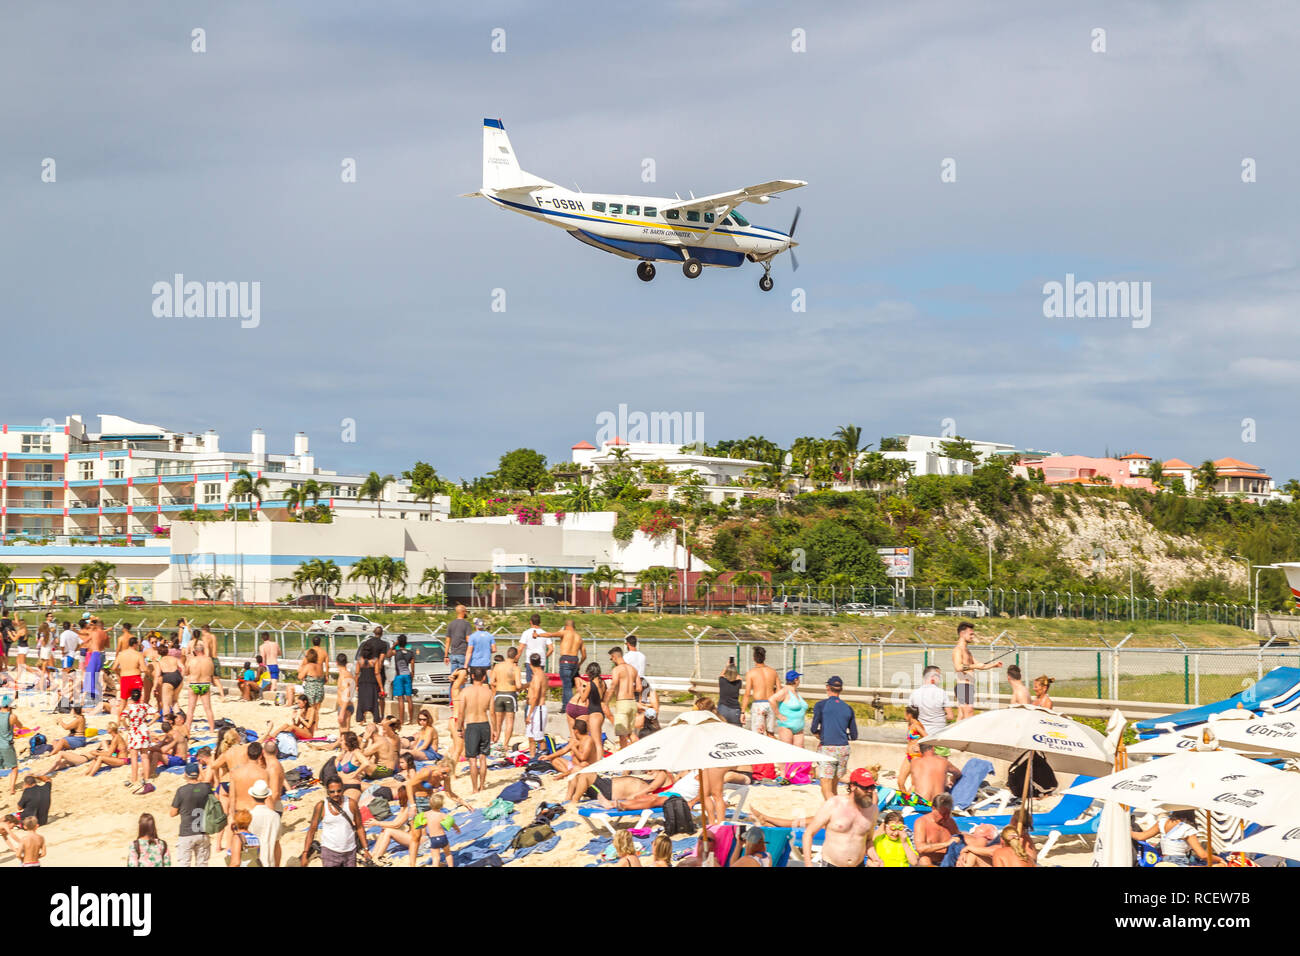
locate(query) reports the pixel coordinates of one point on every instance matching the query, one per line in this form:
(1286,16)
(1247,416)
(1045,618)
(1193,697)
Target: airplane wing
(735,197)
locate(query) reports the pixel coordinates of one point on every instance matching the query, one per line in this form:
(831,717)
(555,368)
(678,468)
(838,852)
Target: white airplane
(695,232)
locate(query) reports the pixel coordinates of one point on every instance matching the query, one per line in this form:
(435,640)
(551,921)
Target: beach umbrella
(1274,841)
(700,740)
(1067,745)
(1275,734)
(1114,843)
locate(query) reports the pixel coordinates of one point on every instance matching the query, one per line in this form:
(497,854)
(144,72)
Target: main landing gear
(766,283)
(692,268)
(645,271)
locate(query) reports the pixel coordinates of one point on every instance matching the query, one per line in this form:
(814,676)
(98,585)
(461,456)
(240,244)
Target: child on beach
(435,824)
(28,845)
(915,731)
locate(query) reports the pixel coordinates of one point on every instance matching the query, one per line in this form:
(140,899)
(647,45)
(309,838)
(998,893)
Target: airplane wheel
(645,271)
(765,283)
(692,268)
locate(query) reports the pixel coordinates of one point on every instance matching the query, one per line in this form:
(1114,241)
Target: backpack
(214,815)
(1043,781)
(38,745)
(380,809)
(532,835)
(515,792)
(677,816)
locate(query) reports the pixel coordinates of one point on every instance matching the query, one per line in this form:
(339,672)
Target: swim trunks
(478,739)
(537,723)
(624,717)
(841,764)
(313,688)
(274,671)
(762,719)
(965,691)
(129,683)
(438,842)
(402,685)
(200,689)
(502,703)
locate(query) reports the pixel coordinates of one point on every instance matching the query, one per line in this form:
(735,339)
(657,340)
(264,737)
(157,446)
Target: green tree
(373,487)
(432,578)
(959,449)
(522,468)
(1207,477)
(706,585)
(371,570)
(600,577)
(656,578)
(850,439)
(485,583)
(54,578)
(98,574)
(246,486)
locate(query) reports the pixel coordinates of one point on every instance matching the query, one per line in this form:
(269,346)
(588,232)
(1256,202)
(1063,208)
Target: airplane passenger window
(615,208)
(598,207)
(673,214)
(650,211)
(634,210)
(708,217)
(692,216)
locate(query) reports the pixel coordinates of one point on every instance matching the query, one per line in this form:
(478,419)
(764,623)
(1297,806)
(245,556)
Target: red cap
(862,778)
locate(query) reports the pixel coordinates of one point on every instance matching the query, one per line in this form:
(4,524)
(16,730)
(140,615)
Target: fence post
(859,666)
(1196,665)
(1099,675)
(1187,681)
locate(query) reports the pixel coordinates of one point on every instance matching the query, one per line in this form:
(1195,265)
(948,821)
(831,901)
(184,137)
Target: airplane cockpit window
(598,207)
(634,210)
(727,221)
(740,220)
(615,208)
(650,212)
(673,214)
(708,217)
(692,216)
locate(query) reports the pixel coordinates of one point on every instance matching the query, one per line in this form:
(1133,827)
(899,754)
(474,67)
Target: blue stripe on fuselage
(773,236)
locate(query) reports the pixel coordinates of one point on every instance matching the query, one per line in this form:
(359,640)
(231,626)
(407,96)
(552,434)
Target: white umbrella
(1114,845)
(1274,734)
(1157,783)
(699,740)
(1069,746)
(1274,841)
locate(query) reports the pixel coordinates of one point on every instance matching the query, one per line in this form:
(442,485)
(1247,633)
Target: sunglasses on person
(895,828)
(423,720)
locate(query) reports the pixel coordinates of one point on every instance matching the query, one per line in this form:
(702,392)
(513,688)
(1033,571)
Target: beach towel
(777,842)
(514,792)
(499,808)
(765,771)
(973,775)
(798,773)
(724,837)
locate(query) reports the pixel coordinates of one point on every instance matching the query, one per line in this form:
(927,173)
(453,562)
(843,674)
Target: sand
(93,820)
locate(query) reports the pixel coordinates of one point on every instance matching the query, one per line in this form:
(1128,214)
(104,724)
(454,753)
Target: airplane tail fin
(500,166)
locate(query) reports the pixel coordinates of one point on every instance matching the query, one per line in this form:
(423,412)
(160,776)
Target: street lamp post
(681,595)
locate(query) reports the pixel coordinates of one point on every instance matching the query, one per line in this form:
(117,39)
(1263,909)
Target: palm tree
(54,578)
(1207,476)
(484,582)
(321,576)
(749,579)
(98,574)
(1156,472)
(601,576)
(205,584)
(394,576)
(293,500)
(6,580)
(706,585)
(577,498)
(371,570)
(428,489)
(223,584)
(247,486)
(656,578)
(433,578)
(770,476)
(850,438)
(373,487)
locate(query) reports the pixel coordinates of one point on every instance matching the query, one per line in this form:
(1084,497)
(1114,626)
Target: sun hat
(260,790)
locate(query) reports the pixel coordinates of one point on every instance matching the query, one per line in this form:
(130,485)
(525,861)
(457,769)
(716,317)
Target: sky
(923,299)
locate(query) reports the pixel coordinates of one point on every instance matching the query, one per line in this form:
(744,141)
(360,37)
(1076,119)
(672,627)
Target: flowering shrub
(162,532)
(528,514)
(559,517)
(659,523)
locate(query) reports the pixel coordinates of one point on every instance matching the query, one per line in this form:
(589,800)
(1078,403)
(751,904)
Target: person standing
(505,695)
(622,680)
(756,700)
(472,717)
(536,715)
(482,645)
(458,632)
(534,641)
(572,654)
(729,685)
(403,681)
(849,821)
(9,723)
(380,651)
(368,684)
(270,651)
(834,725)
(148,849)
(963,662)
(338,818)
(933,706)
(636,660)
(264,824)
(129,666)
(199,672)
(193,845)
(135,717)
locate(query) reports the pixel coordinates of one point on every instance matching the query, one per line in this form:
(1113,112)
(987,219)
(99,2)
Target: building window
(212,492)
(117,468)
(36,444)
(86,470)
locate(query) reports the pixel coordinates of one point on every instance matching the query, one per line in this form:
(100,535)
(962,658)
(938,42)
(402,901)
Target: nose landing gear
(765,283)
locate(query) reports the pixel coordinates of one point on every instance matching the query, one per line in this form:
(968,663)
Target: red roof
(617,441)
(585,445)
(1135,455)
(1176,463)
(1234,463)
(1240,473)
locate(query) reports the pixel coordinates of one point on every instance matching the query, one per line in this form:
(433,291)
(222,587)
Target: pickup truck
(344,623)
(968,609)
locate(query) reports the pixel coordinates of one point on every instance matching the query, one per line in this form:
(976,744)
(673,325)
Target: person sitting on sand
(301,725)
(932,774)
(27,844)
(246,681)
(892,846)
(75,725)
(432,778)
(1012,852)
(936,832)
(754,850)
(629,854)
(384,750)
(397,829)
(661,851)
(981,841)
(350,764)
(424,745)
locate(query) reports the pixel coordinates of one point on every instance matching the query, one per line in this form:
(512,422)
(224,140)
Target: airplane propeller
(794,261)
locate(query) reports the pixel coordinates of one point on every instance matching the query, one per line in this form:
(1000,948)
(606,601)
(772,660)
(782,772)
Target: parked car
(102,600)
(61,600)
(968,609)
(346,623)
(856,607)
(25,601)
(313,600)
(537,603)
(134,600)
(798,604)
(431,674)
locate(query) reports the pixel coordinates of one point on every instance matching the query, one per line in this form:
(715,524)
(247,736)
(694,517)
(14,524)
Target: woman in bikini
(915,731)
(424,745)
(343,697)
(597,709)
(20,650)
(1041,686)
(351,764)
(301,726)
(110,753)
(312,673)
(76,728)
(45,650)
(437,777)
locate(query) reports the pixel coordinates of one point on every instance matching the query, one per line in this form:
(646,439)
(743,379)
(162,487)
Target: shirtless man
(124,639)
(129,666)
(274,775)
(578,753)
(459,678)
(935,832)
(210,645)
(96,642)
(535,713)
(1019,692)
(384,749)
(270,651)
(850,823)
(931,774)
(760,684)
(199,672)
(622,694)
(573,653)
(611,792)
(242,779)
(505,695)
(963,662)
(472,717)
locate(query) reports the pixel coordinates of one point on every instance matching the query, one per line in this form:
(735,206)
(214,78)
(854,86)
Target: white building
(721,476)
(925,453)
(130,478)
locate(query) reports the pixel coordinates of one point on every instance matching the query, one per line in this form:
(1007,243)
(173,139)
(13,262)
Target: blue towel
(967,788)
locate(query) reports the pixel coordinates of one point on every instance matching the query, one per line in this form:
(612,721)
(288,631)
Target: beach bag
(38,745)
(548,745)
(1043,781)
(379,808)
(532,835)
(64,706)
(287,744)
(677,816)
(214,815)
(798,773)
(540,766)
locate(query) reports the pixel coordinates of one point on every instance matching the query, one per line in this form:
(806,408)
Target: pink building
(1082,470)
